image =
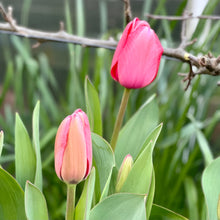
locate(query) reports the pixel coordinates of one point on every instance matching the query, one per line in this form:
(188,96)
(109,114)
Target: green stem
(70,204)
(120,117)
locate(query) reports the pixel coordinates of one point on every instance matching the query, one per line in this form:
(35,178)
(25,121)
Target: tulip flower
(137,57)
(123,172)
(73,148)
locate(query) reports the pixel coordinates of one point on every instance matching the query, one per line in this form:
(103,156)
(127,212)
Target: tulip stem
(120,117)
(70,204)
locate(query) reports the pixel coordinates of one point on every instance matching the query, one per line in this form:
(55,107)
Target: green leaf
(18,82)
(84,204)
(25,161)
(93,107)
(106,188)
(7,81)
(104,161)
(31,64)
(140,177)
(7,158)
(11,199)
(47,98)
(120,206)
(203,143)
(150,196)
(162,213)
(35,203)
(1,141)
(48,136)
(204,146)
(36,143)
(210,185)
(192,198)
(131,140)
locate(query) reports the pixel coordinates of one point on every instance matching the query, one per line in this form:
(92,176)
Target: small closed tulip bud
(137,57)
(123,172)
(73,148)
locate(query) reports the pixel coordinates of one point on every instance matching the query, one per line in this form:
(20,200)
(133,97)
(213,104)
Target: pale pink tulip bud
(137,57)
(73,148)
(123,172)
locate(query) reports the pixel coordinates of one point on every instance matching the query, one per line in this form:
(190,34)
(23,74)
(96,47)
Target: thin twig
(184,17)
(3,12)
(127,11)
(189,77)
(8,16)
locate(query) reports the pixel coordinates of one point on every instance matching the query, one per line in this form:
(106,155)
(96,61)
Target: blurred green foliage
(188,141)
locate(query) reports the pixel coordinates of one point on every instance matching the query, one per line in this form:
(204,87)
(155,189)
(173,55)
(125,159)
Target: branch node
(37,44)
(188,76)
(62,27)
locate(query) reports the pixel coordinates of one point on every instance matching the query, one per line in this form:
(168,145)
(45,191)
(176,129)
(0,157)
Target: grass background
(54,74)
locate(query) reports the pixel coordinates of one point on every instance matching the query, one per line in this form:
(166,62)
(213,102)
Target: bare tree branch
(181,18)
(60,36)
(206,64)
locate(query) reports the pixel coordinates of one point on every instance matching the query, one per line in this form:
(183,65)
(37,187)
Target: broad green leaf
(93,107)
(210,185)
(25,160)
(106,188)
(150,196)
(218,208)
(35,203)
(120,206)
(84,204)
(103,159)
(130,140)
(36,143)
(1,141)
(162,213)
(11,199)
(140,177)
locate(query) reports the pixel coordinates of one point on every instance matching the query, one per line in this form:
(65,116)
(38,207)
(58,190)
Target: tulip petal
(139,61)
(120,46)
(87,134)
(74,159)
(60,144)
(88,139)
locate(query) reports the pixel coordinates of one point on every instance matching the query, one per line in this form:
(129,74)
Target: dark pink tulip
(137,57)
(73,148)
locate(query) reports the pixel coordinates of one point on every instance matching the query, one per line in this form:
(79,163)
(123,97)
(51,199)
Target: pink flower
(137,57)
(73,148)
(124,172)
